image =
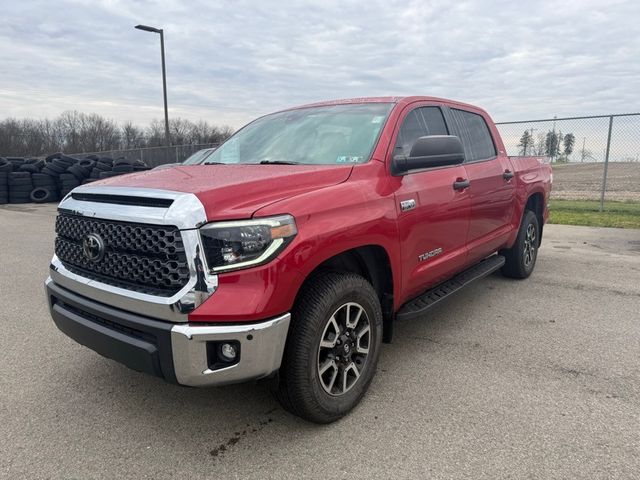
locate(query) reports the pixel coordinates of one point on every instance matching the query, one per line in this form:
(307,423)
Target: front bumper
(179,353)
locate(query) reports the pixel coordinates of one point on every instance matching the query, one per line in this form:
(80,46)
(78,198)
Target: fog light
(228,351)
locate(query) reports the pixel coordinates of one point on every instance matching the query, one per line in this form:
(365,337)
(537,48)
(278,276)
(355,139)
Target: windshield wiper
(278,162)
(213,163)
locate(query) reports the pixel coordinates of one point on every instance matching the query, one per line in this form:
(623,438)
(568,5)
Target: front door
(433,217)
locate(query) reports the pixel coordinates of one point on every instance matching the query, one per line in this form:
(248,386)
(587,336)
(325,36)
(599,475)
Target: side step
(419,305)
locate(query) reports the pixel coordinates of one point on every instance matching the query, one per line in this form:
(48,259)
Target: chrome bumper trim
(186,212)
(259,356)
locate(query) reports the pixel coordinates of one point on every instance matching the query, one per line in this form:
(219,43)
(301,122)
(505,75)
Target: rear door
(492,185)
(433,217)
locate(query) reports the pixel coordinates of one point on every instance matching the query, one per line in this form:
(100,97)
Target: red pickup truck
(291,251)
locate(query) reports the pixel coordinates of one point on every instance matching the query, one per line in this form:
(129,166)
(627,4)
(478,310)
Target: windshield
(316,136)
(198,157)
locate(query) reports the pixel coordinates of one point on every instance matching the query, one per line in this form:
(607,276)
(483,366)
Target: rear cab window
(473,131)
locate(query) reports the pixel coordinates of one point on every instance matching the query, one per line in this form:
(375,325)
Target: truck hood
(236,191)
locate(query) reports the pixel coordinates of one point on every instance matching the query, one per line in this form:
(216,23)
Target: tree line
(553,144)
(77,132)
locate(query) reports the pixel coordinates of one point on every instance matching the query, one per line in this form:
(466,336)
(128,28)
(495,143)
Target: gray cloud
(230,61)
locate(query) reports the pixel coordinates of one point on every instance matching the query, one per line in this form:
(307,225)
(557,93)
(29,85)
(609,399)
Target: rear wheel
(332,347)
(521,258)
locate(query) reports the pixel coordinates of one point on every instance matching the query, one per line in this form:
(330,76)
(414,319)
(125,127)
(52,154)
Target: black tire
(18,176)
(5,165)
(87,163)
(123,168)
(521,257)
(301,390)
(19,182)
(16,161)
(68,177)
(20,189)
(28,167)
(78,172)
(58,165)
(43,180)
(43,195)
(68,159)
(35,161)
(53,156)
(110,174)
(51,172)
(103,167)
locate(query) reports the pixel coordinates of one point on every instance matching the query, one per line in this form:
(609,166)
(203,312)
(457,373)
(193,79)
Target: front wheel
(332,348)
(521,258)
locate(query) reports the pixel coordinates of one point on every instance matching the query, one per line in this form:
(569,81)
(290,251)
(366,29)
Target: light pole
(146,28)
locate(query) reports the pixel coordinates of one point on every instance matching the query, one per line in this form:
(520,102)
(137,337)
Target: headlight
(246,243)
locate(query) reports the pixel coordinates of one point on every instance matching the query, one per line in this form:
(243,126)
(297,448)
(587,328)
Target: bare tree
(155,133)
(132,136)
(77,132)
(539,144)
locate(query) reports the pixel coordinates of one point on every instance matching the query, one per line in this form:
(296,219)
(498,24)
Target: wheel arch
(535,203)
(374,264)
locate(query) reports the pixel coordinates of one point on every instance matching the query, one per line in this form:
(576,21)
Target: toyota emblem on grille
(93,247)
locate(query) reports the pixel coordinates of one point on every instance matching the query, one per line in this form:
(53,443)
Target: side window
(434,121)
(419,123)
(412,129)
(474,135)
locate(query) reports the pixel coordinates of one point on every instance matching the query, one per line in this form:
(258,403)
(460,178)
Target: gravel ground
(508,379)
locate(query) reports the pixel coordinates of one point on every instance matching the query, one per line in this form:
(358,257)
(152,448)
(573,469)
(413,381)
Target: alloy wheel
(530,245)
(343,349)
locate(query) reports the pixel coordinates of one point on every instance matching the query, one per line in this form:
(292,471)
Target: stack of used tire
(49,180)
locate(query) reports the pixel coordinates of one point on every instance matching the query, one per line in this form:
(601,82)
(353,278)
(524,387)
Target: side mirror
(430,151)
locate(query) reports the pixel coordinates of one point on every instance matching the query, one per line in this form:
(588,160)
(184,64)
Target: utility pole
(606,164)
(554,142)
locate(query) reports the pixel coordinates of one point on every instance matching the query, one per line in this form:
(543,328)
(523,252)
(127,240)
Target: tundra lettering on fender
(290,250)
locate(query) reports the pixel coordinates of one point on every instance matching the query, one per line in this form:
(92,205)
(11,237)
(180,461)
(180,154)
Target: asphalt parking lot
(508,379)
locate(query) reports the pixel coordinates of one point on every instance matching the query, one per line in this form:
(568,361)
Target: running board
(428,299)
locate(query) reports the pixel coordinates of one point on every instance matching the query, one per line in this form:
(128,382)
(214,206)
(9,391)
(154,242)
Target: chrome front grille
(140,257)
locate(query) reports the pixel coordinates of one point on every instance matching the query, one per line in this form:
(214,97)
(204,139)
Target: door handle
(460,184)
(507,175)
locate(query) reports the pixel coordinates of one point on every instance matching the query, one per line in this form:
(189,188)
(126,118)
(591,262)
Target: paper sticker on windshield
(347,159)
(377,119)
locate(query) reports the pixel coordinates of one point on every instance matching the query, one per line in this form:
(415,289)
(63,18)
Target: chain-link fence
(594,158)
(154,156)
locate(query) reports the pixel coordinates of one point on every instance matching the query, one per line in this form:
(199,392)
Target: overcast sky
(229,61)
